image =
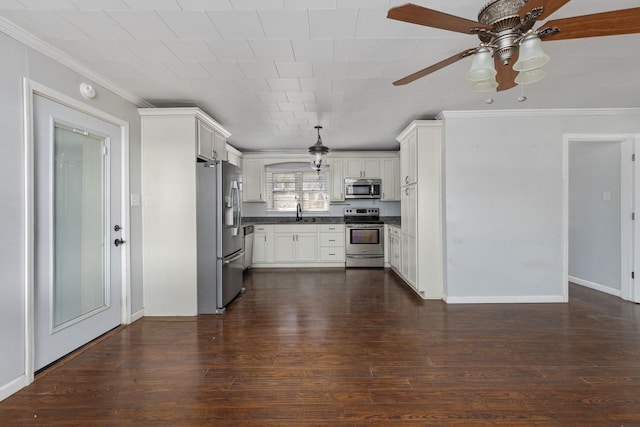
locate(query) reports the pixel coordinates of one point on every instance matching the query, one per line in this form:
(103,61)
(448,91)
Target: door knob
(117,228)
(119,242)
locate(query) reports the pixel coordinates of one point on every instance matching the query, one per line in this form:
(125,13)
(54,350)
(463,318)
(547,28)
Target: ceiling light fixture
(318,150)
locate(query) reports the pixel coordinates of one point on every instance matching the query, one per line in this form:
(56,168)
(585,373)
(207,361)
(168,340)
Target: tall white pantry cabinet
(173,139)
(421,178)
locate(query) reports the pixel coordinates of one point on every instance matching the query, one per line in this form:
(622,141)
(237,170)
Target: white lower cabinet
(394,248)
(262,244)
(331,243)
(295,243)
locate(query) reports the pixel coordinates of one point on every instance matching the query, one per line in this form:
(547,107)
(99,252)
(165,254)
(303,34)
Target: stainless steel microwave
(362,188)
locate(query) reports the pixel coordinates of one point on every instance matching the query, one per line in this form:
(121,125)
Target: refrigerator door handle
(233,258)
(235,201)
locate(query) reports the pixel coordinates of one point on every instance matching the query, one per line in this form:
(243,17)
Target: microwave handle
(371,190)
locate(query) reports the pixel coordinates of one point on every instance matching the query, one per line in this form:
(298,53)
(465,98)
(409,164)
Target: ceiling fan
(506,33)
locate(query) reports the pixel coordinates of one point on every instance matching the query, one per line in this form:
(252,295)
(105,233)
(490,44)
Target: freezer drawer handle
(235,257)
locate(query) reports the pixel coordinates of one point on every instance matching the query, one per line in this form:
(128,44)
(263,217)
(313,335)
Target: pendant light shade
(482,67)
(484,85)
(531,54)
(317,150)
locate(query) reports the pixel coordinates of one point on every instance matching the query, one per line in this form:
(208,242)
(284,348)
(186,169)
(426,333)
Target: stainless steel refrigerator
(220,237)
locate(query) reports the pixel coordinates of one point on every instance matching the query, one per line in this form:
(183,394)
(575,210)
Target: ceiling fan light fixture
(482,67)
(531,54)
(483,85)
(531,76)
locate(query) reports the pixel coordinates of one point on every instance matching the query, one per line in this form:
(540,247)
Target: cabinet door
(408,208)
(353,168)
(337,180)
(284,247)
(219,146)
(205,142)
(409,159)
(371,168)
(307,247)
(262,244)
(390,179)
(253,181)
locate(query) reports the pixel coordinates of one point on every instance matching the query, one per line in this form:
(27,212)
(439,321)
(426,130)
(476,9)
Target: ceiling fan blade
(625,21)
(432,18)
(434,67)
(549,6)
(506,76)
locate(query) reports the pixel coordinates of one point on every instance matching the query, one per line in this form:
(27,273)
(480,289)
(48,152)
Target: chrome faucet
(298,212)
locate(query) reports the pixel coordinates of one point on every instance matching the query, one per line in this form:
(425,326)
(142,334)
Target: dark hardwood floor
(345,348)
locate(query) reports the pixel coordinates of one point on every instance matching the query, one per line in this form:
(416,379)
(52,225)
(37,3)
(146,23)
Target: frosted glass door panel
(79,285)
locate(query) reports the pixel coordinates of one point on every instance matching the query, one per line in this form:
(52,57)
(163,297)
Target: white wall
(20,61)
(594,221)
(504,200)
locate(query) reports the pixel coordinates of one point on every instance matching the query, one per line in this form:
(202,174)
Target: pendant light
(317,150)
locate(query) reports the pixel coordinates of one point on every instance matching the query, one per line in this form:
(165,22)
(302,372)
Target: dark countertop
(252,220)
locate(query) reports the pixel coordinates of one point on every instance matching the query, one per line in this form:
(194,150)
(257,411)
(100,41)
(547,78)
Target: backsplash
(258,209)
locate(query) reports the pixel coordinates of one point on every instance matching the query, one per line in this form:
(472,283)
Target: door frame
(30,89)
(629,190)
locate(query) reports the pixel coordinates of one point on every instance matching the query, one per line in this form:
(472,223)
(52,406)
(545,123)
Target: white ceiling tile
(314,85)
(252,85)
(115,70)
(294,69)
(191,50)
(257,4)
(373,23)
(143,24)
(100,4)
(238,25)
(153,70)
(332,23)
(301,97)
(202,5)
(96,24)
(44,24)
(313,50)
(97,50)
(151,51)
(274,97)
(152,4)
(232,50)
(270,107)
(48,4)
(188,71)
(190,25)
(358,4)
(354,49)
(310,4)
(11,5)
(365,69)
(285,24)
(395,49)
(272,50)
(258,70)
(223,70)
(306,116)
(284,85)
(282,115)
(329,70)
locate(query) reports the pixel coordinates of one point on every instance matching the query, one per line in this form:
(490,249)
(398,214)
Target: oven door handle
(365,256)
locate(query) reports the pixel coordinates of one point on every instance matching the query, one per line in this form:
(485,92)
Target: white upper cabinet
(205,142)
(253,180)
(362,168)
(336,189)
(390,175)
(409,158)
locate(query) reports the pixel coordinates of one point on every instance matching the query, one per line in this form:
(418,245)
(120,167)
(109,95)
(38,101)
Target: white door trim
(31,88)
(629,187)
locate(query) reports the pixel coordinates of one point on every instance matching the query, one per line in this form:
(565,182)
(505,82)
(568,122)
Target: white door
(77,294)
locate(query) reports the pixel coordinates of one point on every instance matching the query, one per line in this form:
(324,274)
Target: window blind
(291,183)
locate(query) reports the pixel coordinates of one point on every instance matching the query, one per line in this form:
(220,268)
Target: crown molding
(29,40)
(562,112)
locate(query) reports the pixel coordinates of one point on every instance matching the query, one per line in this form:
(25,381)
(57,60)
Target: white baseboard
(595,286)
(137,315)
(8,389)
(514,299)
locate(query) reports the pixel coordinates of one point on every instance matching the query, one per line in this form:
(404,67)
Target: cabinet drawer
(331,239)
(261,228)
(295,228)
(394,231)
(331,228)
(332,254)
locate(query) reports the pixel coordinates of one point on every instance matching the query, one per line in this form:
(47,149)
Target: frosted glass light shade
(530,76)
(484,85)
(531,54)
(482,67)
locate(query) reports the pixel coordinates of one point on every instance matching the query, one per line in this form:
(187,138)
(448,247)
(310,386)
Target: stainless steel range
(364,237)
